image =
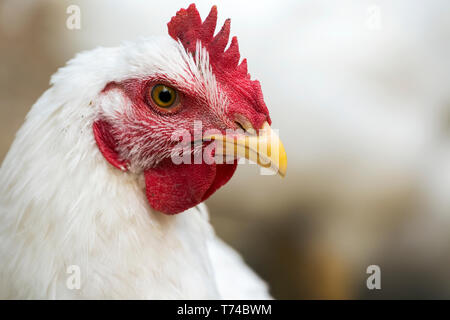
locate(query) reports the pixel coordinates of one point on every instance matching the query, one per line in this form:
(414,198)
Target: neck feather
(62,204)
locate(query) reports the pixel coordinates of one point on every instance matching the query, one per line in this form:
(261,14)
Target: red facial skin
(172,188)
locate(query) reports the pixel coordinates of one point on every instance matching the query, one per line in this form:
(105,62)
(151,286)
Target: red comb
(187,26)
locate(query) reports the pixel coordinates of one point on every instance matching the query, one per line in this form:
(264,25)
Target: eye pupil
(165,95)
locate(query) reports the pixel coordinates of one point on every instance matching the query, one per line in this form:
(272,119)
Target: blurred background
(359,91)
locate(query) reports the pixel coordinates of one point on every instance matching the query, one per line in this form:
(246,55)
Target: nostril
(243,123)
(240,125)
(246,127)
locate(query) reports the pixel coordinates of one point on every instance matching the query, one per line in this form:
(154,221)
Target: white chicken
(90,179)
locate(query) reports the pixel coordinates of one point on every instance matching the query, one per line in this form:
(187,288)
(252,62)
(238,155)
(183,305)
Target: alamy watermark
(373,18)
(374,280)
(73,21)
(213,146)
(73,281)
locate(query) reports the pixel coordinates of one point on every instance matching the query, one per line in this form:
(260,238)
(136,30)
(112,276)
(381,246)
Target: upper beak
(265,148)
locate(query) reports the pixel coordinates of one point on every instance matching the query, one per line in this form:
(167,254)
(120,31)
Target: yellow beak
(265,149)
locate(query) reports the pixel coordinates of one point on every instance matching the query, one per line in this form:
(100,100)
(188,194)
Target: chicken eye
(163,96)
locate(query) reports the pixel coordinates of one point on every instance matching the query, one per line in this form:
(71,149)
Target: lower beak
(265,149)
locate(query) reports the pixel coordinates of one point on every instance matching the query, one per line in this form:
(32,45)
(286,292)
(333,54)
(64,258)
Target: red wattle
(172,188)
(224,172)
